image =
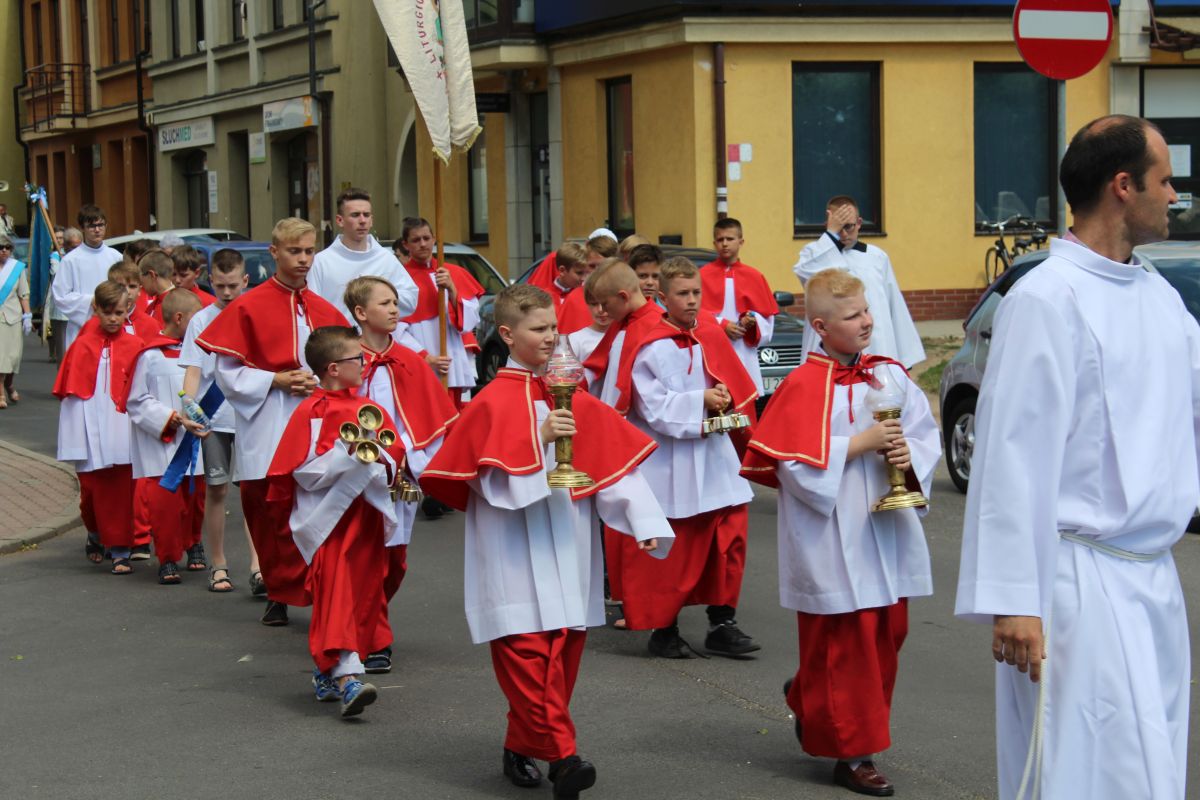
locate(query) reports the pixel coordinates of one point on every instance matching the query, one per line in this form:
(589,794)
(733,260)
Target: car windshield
(219,236)
(1184,275)
(259,264)
(478,268)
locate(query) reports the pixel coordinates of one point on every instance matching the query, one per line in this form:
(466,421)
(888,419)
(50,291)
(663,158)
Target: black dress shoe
(727,639)
(570,776)
(864,779)
(787,689)
(276,614)
(667,643)
(521,770)
(431,508)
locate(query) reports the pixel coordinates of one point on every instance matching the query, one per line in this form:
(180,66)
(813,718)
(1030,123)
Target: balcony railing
(54,96)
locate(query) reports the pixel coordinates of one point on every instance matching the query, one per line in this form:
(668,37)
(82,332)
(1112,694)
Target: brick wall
(925,304)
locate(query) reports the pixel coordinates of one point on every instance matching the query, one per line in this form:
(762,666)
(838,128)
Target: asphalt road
(115,687)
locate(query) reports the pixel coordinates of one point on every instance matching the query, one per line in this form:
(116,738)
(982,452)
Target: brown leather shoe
(864,780)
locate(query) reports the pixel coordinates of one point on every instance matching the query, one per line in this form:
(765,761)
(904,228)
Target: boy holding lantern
(533,559)
(334,467)
(847,572)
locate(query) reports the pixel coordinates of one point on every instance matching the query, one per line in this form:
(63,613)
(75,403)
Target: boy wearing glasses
(895,335)
(82,270)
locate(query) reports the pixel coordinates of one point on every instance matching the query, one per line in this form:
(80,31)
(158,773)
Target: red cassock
(842,690)
(108,490)
(259,330)
(346,577)
(153,309)
(537,673)
(206,299)
(750,287)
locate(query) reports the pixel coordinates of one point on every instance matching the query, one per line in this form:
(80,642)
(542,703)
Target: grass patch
(930,380)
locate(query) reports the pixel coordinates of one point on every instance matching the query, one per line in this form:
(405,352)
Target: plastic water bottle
(194,412)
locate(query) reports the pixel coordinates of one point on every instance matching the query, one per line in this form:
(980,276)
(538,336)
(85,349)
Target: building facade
(249,129)
(81,107)
(644,116)
(12,160)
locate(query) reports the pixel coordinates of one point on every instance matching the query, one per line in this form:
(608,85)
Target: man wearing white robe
(1084,476)
(81,271)
(895,335)
(354,253)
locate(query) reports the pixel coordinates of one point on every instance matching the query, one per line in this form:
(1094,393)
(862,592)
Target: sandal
(196,560)
(14,396)
(168,574)
(93,549)
(121,566)
(257,587)
(213,580)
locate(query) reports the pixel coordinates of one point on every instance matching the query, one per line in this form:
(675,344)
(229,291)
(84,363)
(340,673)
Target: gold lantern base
(898,495)
(564,475)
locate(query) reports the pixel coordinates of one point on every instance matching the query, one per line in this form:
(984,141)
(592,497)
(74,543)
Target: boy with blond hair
(846,571)
(259,343)
(533,556)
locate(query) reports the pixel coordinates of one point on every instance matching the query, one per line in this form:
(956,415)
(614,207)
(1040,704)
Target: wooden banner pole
(437,227)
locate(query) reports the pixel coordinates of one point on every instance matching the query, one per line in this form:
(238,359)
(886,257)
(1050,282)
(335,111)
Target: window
(56,29)
(477,188)
(35,16)
(619,93)
(835,142)
(198,16)
(1016,143)
(277,20)
(174,8)
(84,44)
(239,20)
(114,30)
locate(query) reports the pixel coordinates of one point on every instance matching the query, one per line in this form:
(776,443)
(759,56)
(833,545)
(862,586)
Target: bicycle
(998,257)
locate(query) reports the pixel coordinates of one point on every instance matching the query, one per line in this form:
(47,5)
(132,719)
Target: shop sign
(189,133)
(286,115)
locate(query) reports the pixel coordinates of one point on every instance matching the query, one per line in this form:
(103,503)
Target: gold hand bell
(365,436)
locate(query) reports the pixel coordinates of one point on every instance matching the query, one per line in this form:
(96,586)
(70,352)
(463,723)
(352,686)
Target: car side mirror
(785,299)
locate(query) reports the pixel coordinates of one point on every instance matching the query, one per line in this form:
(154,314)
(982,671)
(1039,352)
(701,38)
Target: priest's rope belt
(1033,760)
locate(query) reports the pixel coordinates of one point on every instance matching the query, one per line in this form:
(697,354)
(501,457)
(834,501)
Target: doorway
(195,179)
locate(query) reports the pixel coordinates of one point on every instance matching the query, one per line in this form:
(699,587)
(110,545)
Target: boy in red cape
(136,320)
(189,263)
(401,383)
(570,305)
(681,371)
(157,269)
(533,560)
(259,342)
(420,331)
(93,433)
(739,296)
(616,289)
(341,513)
(847,571)
(152,401)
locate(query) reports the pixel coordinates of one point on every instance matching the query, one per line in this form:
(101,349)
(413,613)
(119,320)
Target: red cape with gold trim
(750,288)
(795,423)
(499,429)
(259,327)
(427,294)
(77,373)
(423,405)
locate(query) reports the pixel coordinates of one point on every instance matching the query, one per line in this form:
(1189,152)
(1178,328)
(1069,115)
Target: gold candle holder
(898,495)
(563,373)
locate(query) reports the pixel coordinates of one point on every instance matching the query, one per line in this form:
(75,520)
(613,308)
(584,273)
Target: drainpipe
(719,127)
(324,159)
(151,143)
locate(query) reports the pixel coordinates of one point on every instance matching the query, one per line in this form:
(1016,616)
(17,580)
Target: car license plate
(770,384)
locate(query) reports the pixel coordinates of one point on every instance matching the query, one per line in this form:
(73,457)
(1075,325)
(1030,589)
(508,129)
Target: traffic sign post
(1062,39)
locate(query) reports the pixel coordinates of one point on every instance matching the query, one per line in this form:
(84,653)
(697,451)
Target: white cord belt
(1033,760)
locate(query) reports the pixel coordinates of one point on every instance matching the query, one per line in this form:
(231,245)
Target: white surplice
(747,352)
(92,434)
(835,554)
(81,271)
(584,341)
(334,267)
(153,398)
(424,337)
(379,389)
(689,473)
(260,412)
(1087,423)
(327,484)
(533,556)
(192,355)
(895,335)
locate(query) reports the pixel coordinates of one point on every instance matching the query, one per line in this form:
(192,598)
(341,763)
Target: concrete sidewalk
(40,498)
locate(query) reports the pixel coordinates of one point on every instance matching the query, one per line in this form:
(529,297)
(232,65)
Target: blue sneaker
(356,696)
(325,687)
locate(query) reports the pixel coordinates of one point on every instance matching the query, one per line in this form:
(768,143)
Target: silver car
(1178,262)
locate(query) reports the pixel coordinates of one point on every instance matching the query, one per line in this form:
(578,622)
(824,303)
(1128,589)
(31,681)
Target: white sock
(348,664)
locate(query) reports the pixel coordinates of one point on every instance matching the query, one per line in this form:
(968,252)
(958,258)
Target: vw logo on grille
(768,355)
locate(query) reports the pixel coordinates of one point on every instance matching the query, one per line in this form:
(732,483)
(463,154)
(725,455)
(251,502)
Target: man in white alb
(894,335)
(355,253)
(82,270)
(1084,476)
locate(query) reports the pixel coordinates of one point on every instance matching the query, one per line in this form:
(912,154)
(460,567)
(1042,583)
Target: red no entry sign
(1062,39)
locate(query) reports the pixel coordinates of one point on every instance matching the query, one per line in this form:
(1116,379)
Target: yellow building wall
(664,143)
(927,160)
